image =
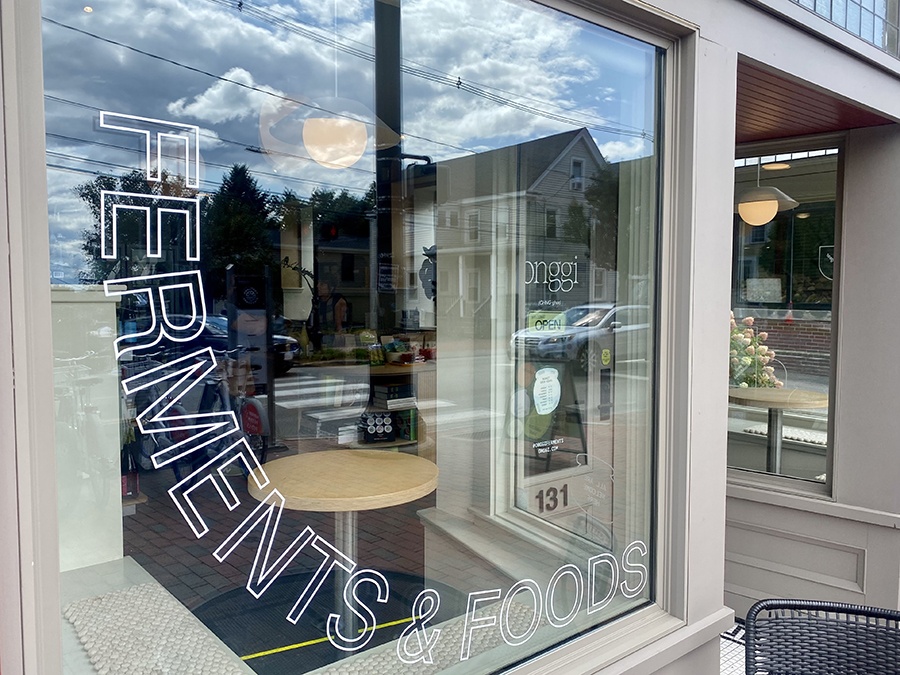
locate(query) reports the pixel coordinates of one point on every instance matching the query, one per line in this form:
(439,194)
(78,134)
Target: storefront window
(354,332)
(781,338)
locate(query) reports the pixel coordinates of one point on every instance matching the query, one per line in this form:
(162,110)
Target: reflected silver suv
(582,333)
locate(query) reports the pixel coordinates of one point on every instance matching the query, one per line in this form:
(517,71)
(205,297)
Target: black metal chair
(811,637)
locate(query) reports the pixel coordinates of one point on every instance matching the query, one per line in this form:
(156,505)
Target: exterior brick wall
(802,345)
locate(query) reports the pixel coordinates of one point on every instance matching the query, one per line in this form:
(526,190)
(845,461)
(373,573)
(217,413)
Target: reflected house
(529,200)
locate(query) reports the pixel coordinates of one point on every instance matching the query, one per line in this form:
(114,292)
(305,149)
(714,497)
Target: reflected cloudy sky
(476,76)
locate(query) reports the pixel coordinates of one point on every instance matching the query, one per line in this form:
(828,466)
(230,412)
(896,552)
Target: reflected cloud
(235,99)
(617,151)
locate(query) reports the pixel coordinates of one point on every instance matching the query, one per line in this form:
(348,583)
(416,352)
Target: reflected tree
(594,223)
(240,228)
(131,233)
(341,214)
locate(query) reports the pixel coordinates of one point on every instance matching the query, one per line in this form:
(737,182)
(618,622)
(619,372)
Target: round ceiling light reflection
(336,133)
(335,142)
(758,213)
(758,205)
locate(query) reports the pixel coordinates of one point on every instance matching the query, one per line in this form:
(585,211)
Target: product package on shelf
(393,390)
(393,396)
(377,427)
(405,422)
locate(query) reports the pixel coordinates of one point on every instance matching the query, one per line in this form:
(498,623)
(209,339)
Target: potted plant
(750,359)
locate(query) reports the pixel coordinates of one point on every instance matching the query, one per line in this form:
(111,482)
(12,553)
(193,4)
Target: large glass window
(354,331)
(783,273)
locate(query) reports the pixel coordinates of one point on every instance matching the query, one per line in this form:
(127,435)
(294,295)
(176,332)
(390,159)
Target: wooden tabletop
(769,397)
(348,480)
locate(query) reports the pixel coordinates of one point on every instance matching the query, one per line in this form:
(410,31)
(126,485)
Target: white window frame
(473,282)
(30,629)
(674,440)
(473,234)
(551,213)
(576,183)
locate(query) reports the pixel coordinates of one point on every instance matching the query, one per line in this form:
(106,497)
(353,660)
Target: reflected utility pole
(388,159)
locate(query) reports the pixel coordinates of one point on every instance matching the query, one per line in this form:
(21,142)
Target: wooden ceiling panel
(771,107)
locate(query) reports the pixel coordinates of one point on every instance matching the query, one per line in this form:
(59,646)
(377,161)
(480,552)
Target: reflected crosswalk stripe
(307,392)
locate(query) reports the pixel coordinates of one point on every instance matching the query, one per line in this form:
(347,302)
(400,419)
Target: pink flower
(763,335)
(747,321)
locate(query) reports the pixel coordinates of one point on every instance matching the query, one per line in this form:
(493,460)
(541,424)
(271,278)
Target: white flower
(744,385)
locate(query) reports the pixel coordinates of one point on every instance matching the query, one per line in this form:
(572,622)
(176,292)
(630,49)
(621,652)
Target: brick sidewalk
(158,538)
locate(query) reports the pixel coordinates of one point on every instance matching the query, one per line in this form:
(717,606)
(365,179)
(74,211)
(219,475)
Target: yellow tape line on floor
(309,643)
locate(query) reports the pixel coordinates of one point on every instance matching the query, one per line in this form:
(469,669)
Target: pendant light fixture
(333,131)
(758,205)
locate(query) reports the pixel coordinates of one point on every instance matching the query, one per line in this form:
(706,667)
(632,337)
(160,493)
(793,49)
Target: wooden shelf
(132,501)
(380,444)
(381,409)
(401,368)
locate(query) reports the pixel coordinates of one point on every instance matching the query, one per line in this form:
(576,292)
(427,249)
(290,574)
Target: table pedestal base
(773,442)
(345,530)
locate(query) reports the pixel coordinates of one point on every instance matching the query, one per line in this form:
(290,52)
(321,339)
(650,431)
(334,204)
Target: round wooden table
(777,401)
(345,482)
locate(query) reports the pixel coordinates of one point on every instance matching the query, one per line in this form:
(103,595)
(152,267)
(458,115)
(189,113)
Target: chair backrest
(812,637)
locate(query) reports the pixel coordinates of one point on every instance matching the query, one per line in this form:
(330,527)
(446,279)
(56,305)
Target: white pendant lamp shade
(335,142)
(758,205)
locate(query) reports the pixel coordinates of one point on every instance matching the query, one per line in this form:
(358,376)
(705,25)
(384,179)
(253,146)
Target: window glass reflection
(354,339)
(780,360)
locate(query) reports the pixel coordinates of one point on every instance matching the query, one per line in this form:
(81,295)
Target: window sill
(775,491)
(639,641)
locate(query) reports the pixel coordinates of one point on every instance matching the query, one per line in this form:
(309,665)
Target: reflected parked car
(582,333)
(284,347)
(215,335)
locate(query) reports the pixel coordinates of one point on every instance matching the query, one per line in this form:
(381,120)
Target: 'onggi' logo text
(558,277)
